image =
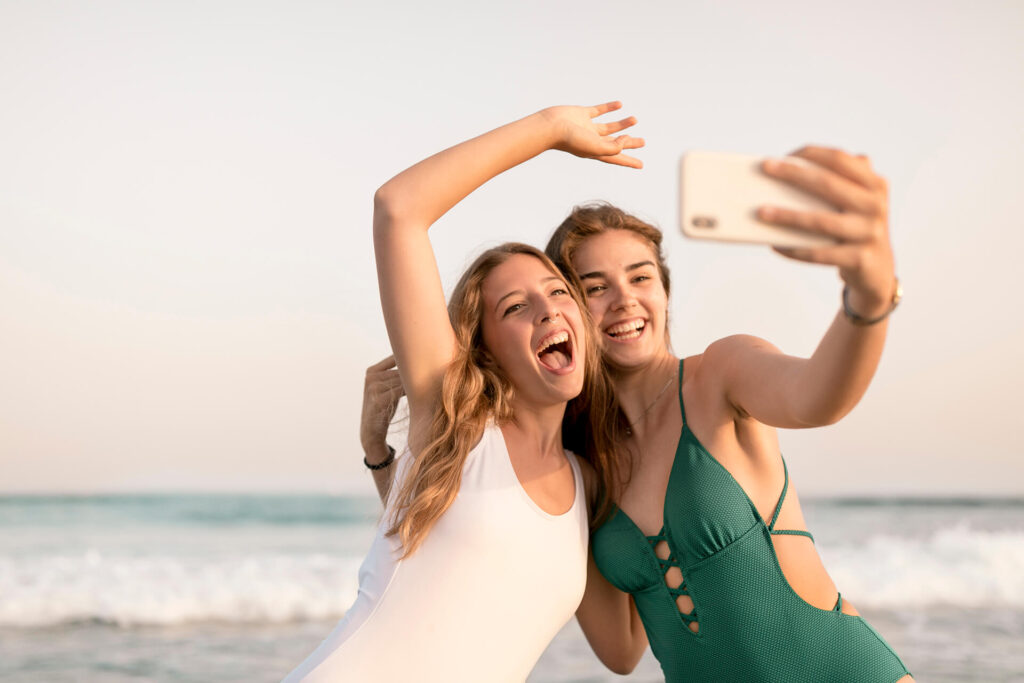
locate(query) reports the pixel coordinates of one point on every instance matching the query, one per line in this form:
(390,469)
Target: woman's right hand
(381,391)
(580,135)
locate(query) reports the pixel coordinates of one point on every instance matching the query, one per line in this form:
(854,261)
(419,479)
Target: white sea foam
(167,590)
(956,566)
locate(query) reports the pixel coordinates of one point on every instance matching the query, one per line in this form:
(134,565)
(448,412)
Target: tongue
(554,359)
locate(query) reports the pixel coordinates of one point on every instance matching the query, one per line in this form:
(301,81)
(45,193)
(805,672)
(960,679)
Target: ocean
(243,587)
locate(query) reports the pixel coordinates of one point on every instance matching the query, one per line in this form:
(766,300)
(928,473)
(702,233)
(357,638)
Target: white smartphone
(719,194)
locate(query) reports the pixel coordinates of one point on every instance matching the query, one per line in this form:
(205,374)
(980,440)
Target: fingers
(856,167)
(630,142)
(384,364)
(829,185)
(615,156)
(845,227)
(386,383)
(616,126)
(600,109)
(622,160)
(382,379)
(846,256)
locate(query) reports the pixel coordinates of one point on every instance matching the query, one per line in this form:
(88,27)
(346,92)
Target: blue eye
(559,292)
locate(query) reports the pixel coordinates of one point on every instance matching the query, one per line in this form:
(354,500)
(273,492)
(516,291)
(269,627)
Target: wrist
(376,451)
(865,308)
(555,129)
(383,463)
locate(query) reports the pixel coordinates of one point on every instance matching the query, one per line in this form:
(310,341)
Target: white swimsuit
(491,585)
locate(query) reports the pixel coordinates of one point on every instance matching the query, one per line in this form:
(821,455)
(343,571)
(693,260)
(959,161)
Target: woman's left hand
(860,223)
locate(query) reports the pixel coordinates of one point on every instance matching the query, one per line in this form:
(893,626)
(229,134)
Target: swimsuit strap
(778,509)
(682,408)
(785,487)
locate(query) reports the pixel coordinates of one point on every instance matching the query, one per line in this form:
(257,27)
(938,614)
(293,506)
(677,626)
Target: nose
(623,299)
(550,314)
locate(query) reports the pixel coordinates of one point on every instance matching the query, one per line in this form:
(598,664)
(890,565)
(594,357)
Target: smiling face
(627,300)
(533,329)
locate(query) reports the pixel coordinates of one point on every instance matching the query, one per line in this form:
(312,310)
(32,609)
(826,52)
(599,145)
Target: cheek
(597,309)
(505,345)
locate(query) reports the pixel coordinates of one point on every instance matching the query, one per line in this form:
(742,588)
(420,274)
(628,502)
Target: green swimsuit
(752,626)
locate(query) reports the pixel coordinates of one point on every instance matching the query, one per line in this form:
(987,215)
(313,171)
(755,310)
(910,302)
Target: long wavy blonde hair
(475,389)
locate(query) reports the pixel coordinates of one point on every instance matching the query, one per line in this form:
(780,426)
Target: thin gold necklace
(629,427)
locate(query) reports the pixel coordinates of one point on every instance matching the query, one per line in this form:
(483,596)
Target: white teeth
(557,338)
(627,330)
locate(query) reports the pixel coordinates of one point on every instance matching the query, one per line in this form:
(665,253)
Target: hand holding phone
(720,193)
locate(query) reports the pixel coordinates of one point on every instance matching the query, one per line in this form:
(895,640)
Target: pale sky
(187,292)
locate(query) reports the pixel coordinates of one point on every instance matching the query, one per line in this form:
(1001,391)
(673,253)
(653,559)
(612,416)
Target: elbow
(619,665)
(383,209)
(623,659)
(622,668)
(820,415)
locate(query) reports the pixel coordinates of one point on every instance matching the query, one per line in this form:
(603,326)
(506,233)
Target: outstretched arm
(381,391)
(408,204)
(785,391)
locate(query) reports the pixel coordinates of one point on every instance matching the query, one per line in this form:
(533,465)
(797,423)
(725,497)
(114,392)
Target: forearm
(424,192)
(835,377)
(611,623)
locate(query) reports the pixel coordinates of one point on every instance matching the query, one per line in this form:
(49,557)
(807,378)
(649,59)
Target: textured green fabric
(752,625)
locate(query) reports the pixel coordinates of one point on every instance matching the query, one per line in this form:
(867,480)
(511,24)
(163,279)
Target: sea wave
(129,591)
(212,510)
(956,566)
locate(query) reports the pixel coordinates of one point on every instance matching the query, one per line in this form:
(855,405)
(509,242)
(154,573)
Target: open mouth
(630,329)
(555,352)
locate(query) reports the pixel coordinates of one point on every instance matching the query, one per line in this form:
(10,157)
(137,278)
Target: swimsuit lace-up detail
(665,564)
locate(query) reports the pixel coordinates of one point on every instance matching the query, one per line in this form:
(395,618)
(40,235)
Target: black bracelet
(861,321)
(381,465)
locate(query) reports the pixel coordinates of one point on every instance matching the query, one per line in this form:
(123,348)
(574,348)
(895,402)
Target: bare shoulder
(723,354)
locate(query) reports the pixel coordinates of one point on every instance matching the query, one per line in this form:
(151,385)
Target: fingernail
(772,165)
(766,213)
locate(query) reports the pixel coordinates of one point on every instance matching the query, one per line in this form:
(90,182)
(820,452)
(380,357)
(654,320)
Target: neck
(638,388)
(539,428)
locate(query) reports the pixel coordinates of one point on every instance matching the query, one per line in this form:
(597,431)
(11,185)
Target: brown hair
(596,218)
(475,389)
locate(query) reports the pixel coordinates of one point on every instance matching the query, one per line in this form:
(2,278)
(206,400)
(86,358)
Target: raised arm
(408,204)
(784,391)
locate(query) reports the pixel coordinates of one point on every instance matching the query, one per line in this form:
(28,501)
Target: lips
(555,352)
(626,330)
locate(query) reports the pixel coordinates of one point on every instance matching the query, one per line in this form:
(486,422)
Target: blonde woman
(482,556)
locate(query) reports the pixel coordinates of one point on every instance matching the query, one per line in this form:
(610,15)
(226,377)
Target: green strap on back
(778,509)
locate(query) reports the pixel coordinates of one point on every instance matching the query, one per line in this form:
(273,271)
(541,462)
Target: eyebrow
(520,291)
(598,273)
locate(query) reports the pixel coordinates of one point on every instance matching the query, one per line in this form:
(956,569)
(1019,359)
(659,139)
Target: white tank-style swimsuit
(488,589)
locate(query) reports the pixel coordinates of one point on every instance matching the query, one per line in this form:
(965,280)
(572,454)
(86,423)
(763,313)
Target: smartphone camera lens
(704,222)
